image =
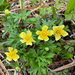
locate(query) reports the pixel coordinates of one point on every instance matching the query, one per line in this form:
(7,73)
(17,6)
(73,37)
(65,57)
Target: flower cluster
(43,35)
(57,31)
(12,54)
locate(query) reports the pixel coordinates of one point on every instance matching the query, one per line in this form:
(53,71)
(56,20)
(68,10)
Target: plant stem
(21,5)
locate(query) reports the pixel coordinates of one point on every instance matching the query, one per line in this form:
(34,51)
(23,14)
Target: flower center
(12,54)
(27,37)
(58,32)
(44,33)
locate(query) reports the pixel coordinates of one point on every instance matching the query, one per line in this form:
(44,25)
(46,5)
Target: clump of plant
(34,41)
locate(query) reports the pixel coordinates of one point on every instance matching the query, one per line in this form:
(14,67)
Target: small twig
(2,15)
(3,43)
(4,59)
(2,65)
(12,1)
(71,41)
(15,73)
(22,67)
(73,22)
(1,72)
(20,3)
(42,6)
(11,69)
(68,41)
(32,9)
(64,67)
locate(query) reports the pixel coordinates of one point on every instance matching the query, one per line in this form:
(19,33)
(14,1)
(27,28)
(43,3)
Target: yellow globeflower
(58,31)
(27,38)
(12,54)
(43,35)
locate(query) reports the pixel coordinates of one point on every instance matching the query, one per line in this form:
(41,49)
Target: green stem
(21,5)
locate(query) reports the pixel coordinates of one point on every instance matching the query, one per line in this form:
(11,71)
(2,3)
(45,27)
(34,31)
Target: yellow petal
(9,59)
(38,32)
(40,38)
(55,27)
(44,27)
(28,32)
(57,37)
(61,27)
(50,32)
(16,58)
(23,41)
(46,39)
(10,48)
(22,34)
(15,50)
(33,40)
(64,33)
(58,27)
(6,53)
(29,43)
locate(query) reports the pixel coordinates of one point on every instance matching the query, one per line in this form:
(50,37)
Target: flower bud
(6,11)
(46,48)
(17,68)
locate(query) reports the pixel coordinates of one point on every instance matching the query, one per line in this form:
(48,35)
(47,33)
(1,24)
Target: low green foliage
(4,5)
(70,6)
(64,72)
(69,13)
(37,39)
(67,56)
(1,47)
(1,2)
(70,47)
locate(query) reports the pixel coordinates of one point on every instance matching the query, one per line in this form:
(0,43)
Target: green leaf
(44,70)
(3,5)
(54,12)
(49,61)
(50,73)
(50,55)
(66,46)
(28,13)
(58,73)
(68,16)
(32,20)
(55,50)
(1,47)
(71,49)
(1,2)
(42,59)
(33,70)
(22,58)
(66,70)
(74,16)
(32,1)
(70,6)
(67,56)
(11,64)
(39,72)
(57,3)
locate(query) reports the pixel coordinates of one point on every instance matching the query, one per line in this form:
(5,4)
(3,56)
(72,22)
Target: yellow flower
(12,54)
(58,31)
(27,38)
(43,35)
